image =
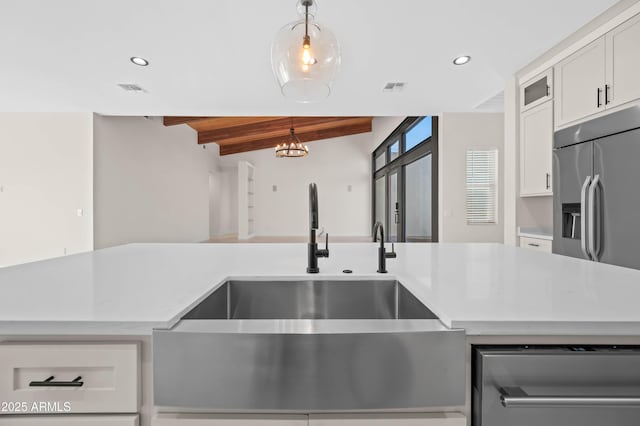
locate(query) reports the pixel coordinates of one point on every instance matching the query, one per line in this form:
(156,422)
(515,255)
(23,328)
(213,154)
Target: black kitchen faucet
(313,252)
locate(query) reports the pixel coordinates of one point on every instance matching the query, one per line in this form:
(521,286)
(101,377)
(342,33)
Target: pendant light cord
(306,20)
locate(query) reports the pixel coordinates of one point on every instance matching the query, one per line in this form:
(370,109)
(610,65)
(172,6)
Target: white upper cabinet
(536,144)
(601,75)
(580,81)
(537,90)
(623,63)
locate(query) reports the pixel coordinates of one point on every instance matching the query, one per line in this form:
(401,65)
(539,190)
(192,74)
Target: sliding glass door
(405,182)
(380,197)
(418,193)
(393,206)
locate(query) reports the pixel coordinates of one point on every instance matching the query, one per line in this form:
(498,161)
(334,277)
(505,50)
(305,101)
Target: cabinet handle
(516,397)
(533,244)
(548,90)
(49,382)
(548,180)
(598,102)
(606,94)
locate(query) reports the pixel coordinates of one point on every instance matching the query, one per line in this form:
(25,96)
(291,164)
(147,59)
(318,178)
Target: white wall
(459,132)
(334,164)
(45,177)
(151,182)
(381,127)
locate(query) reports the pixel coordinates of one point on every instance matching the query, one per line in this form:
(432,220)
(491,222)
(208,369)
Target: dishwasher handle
(516,397)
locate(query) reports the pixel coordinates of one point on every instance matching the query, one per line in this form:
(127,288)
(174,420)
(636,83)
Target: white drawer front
(122,420)
(229,420)
(536,244)
(109,374)
(397,419)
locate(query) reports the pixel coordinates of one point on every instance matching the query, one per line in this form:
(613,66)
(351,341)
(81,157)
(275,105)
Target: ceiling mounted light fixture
(305,57)
(292,147)
(139,61)
(461,60)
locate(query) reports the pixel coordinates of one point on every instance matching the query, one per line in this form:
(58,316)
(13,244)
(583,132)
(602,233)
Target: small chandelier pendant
(292,148)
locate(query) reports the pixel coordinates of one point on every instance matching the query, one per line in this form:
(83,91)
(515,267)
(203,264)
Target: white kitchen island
(498,294)
(484,288)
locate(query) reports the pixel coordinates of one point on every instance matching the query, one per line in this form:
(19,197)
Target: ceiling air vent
(131,87)
(394,87)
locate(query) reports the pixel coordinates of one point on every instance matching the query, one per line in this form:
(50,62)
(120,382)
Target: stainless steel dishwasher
(556,386)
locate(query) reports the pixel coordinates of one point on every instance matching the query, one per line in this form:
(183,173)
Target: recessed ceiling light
(461,60)
(139,61)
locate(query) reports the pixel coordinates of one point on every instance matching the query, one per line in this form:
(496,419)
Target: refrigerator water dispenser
(571,220)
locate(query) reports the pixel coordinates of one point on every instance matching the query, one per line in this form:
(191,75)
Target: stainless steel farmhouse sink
(309,346)
(311,300)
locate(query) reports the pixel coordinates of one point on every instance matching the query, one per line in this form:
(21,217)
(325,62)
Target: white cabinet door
(623,63)
(536,144)
(536,91)
(580,83)
(395,419)
(229,420)
(75,420)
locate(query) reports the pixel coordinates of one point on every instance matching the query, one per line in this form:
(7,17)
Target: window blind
(482,186)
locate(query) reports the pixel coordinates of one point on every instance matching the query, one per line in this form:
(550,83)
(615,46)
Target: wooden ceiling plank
(216,123)
(282,132)
(362,127)
(258,130)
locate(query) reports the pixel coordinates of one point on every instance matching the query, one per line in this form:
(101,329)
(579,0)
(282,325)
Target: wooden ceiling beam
(174,121)
(362,126)
(277,126)
(281,132)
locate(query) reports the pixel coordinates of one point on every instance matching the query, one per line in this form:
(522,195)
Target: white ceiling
(211,57)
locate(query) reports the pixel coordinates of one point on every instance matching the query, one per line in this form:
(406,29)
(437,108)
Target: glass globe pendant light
(305,57)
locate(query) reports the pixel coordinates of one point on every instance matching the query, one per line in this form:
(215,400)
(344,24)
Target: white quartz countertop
(484,288)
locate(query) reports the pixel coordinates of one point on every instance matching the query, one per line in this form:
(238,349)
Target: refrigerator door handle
(583,217)
(594,219)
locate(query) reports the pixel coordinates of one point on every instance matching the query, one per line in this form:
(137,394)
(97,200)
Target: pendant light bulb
(307,56)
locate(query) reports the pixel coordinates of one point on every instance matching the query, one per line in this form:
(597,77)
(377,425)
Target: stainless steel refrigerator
(596,189)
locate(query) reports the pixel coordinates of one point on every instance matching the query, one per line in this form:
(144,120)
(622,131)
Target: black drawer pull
(49,382)
(534,245)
